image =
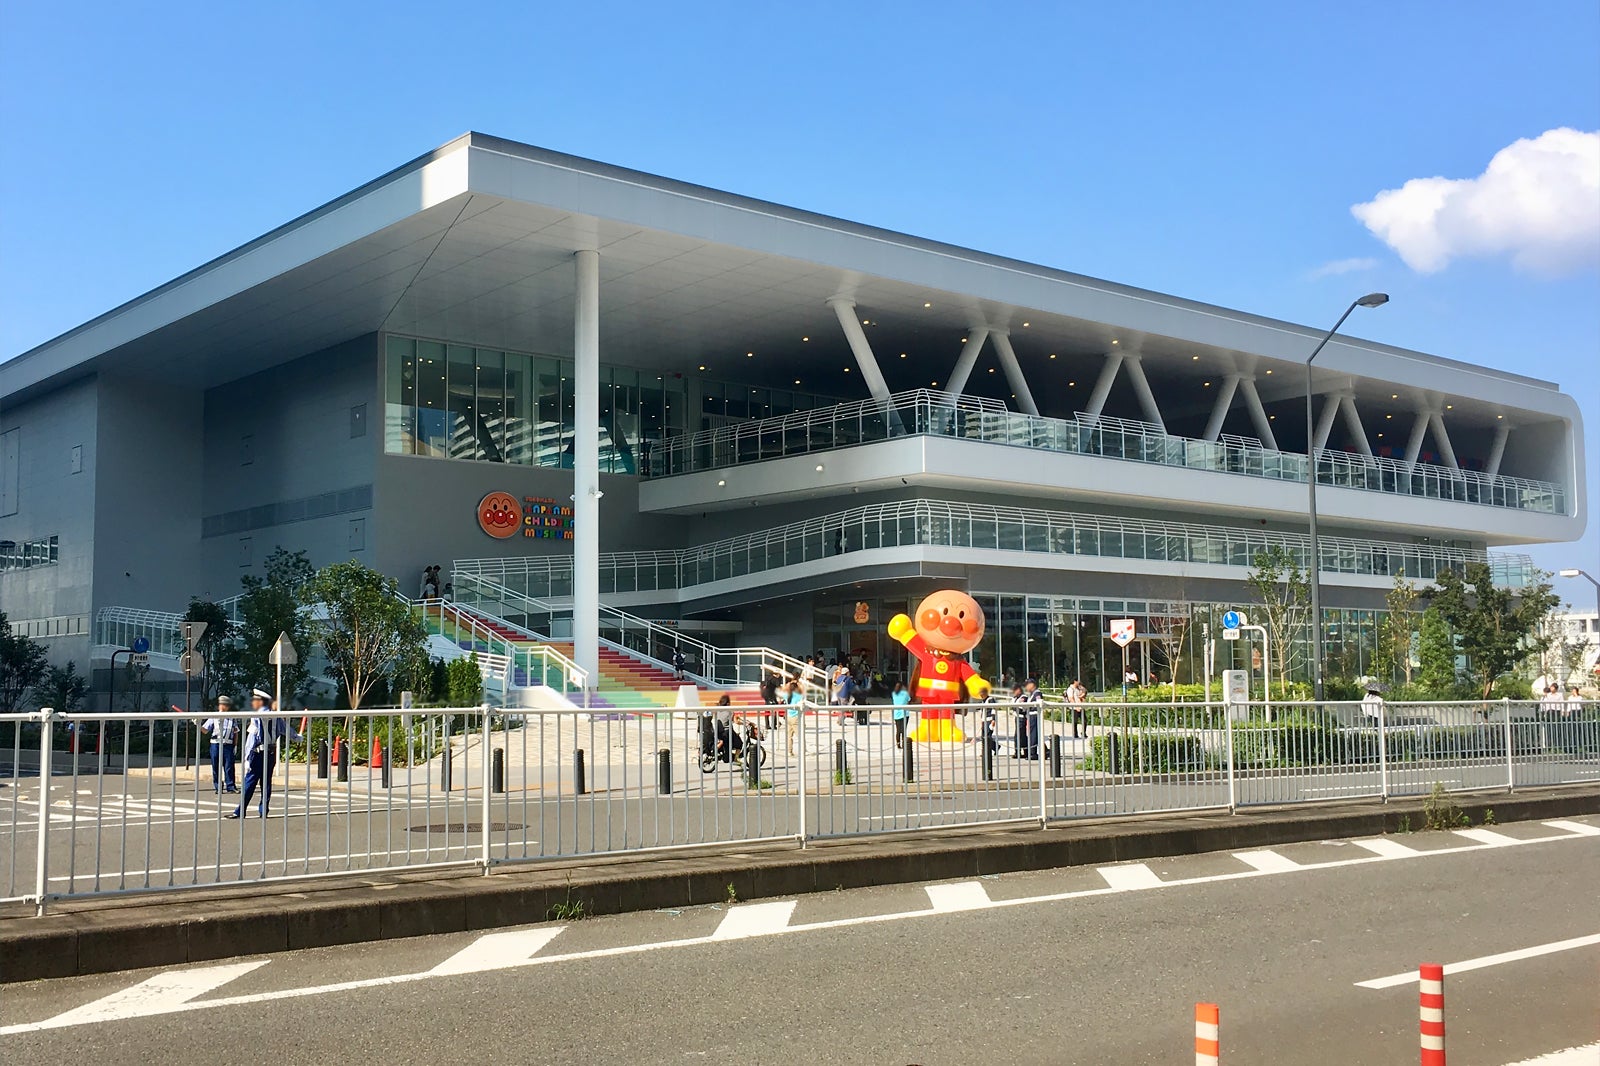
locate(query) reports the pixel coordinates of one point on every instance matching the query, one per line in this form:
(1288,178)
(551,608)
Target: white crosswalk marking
(497,951)
(160,994)
(754,919)
(1389,849)
(1579,828)
(1267,861)
(962,896)
(1486,836)
(1128,878)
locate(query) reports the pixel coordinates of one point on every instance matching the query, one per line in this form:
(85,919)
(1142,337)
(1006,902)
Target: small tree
(1436,648)
(1496,627)
(368,630)
(1284,590)
(271,605)
(1396,635)
(22,666)
(465,681)
(1169,630)
(64,689)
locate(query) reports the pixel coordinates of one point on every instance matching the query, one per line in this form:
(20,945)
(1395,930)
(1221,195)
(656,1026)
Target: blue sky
(1212,151)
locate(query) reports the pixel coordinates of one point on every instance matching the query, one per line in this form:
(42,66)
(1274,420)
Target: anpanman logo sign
(500,515)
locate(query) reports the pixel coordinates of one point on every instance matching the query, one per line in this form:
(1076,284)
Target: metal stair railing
(535,659)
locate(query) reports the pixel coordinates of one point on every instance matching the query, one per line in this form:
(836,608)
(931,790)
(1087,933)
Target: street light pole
(1372,299)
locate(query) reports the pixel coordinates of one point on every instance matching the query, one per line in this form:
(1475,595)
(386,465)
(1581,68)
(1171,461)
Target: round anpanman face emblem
(500,515)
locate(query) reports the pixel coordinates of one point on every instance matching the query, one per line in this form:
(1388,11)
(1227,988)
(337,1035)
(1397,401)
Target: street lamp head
(1373,299)
(1571,573)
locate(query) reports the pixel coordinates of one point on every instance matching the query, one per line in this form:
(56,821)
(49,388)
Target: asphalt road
(1079,965)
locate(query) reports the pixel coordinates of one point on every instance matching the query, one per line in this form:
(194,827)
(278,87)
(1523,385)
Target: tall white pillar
(586,468)
(969,358)
(1258,413)
(1013,369)
(1419,429)
(1141,388)
(1446,450)
(1497,450)
(1102,386)
(845,309)
(1352,421)
(1219,409)
(1330,408)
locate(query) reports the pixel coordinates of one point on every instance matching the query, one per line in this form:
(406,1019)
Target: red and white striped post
(1206,1051)
(1431,985)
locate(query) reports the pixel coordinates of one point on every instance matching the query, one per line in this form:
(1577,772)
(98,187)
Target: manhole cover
(469,827)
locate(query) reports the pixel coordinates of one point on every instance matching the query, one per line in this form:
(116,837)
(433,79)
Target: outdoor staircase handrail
(475,624)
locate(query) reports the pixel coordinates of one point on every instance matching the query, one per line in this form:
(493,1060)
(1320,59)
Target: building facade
(763,425)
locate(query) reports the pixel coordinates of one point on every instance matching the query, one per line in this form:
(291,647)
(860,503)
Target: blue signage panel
(1230,620)
(141,645)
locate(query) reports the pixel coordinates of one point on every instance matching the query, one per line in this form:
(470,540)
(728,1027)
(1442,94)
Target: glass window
(519,409)
(490,421)
(461,402)
(433,420)
(400,397)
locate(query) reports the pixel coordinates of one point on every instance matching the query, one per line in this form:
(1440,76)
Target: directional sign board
(192,631)
(192,663)
(139,658)
(141,645)
(1233,620)
(283,653)
(1122,631)
(1230,634)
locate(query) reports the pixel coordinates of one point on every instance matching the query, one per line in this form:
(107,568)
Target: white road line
(961,896)
(1268,861)
(1587,1055)
(498,951)
(162,994)
(754,919)
(838,923)
(1579,828)
(1131,877)
(1410,976)
(1486,836)
(1386,848)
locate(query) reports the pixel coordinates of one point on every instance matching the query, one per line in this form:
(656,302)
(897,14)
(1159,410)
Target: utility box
(1236,693)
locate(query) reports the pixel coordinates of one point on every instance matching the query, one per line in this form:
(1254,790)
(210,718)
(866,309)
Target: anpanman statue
(949,625)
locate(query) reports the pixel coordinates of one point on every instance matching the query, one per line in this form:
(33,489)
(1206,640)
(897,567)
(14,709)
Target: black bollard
(344,760)
(988,755)
(1055,755)
(908,760)
(752,764)
(841,761)
(383,775)
(1112,762)
(322,759)
(444,769)
(664,771)
(579,779)
(499,782)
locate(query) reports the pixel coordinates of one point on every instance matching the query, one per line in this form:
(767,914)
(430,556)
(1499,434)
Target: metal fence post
(1511,773)
(1383,751)
(1038,750)
(801,730)
(1227,732)
(483,759)
(47,717)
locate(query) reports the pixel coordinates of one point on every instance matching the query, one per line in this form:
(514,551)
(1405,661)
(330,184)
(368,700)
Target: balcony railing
(932,413)
(933,523)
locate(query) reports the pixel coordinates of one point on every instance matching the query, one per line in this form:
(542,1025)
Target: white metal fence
(130,804)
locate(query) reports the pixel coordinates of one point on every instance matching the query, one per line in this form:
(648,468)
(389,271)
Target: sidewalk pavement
(127,932)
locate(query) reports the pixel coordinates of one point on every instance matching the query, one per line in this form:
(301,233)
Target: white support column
(1443,439)
(1102,386)
(1013,369)
(1330,408)
(1497,450)
(845,308)
(969,358)
(586,468)
(1352,421)
(1141,388)
(1219,410)
(1419,429)
(1258,413)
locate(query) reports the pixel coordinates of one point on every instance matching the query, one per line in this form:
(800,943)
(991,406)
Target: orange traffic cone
(376,762)
(338,742)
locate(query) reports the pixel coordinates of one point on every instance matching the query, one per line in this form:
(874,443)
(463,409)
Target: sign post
(281,655)
(1122,633)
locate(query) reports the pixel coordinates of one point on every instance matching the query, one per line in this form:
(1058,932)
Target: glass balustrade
(930,413)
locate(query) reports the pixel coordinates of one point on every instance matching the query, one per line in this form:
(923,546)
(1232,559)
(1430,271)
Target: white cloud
(1538,202)
(1343,266)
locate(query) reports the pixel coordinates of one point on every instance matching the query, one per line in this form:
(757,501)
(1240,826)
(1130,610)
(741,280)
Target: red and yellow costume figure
(949,625)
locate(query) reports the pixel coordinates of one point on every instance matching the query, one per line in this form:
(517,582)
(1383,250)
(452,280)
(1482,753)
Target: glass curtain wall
(456,401)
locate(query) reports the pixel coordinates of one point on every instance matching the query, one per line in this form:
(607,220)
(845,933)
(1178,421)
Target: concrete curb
(202,925)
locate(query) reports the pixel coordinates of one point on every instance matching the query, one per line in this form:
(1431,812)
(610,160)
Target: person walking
(1029,713)
(677,663)
(793,712)
(224,731)
(260,752)
(1076,694)
(1372,704)
(901,699)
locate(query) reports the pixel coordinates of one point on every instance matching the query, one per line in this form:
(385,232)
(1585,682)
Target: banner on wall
(503,516)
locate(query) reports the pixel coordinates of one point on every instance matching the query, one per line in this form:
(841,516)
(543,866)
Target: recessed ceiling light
(927,304)
(805,338)
(1052,355)
(1072,384)
(963,340)
(1380,436)
(1394,396)
(702,368)
(902,355)
(1272,418)
(1024,325)
(1116,342)
(1499,416)
(720,484)
(1194,359)
(1449,407)
(819,468)
(797,381)
(847,370)
(752,355)
(935,384)
(866,322)
(1269,371)
(1208,384)
(991,370)
(1388,416)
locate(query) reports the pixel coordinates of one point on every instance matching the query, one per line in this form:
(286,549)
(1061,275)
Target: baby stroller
(731,743)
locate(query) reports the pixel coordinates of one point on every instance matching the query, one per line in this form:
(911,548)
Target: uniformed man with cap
(260,752)
(224,732)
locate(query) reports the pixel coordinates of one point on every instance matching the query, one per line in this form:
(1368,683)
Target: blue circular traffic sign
(1230,620)
(141,645)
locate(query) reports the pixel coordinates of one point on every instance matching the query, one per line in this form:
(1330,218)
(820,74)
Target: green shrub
(1145,752)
